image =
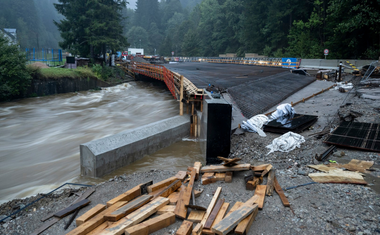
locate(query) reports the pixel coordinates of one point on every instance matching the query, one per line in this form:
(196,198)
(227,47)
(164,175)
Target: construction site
(289,146)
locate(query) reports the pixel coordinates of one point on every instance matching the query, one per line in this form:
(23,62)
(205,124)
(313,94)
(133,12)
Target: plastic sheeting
(283,110)
(255,124)
(343,85)
(286,143)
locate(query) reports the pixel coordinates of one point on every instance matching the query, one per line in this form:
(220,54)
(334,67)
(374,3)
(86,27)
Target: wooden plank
(229,222)
(161,184)
(236,206)
(196,216)
(95,221)
(270,182)
(152,225)
(208,211)
(218,218)
(267,169)
(208,180)
(169,189)
(260,191)
(198,229)
(197,166)
(213,214)
(338,176)
(98,229)
(219,168)
(280,193)
(181,175)
(72,208)
(165,209)
(228,178)
(186,228)
(251,185)
(220,176)
(46,225)
(184,199)
(173,198)
(128,208)
(89,214)
(208,174)
(245,224)
(127,196)
(136,216)
(260,167)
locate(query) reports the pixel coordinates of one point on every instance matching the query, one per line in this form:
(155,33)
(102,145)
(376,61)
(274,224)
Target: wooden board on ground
(338,176)
(251,185)
(219,168)
(323,168)
(213,214)
(46,225)
(198,229)
(95,221)
(208,180)
(161,184)
(260,191)
(89,214)
(184,198)
(98,229)
(136,216)
(186,228)
(127,196)
(165,192)
(173,198)
(166,209)
(220,176)
(280,193)
(228,178)
(245,224)
(128,208)
(197,167)
(229,222)
(196,216)
(270,182)
(266,170)
(355,165)
(72,208)
(218,218)
(260,167)
(152,225)
(181,175)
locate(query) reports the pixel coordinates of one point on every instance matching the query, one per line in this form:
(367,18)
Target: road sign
(172,52)
(326,51)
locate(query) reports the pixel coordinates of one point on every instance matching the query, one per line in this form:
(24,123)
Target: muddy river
(40,137)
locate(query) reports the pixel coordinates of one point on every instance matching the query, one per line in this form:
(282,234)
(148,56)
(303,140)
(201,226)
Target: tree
(91,25)
(14,78)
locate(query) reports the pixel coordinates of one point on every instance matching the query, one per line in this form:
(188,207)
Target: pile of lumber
(151,206)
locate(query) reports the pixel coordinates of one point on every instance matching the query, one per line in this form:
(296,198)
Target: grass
(56,73)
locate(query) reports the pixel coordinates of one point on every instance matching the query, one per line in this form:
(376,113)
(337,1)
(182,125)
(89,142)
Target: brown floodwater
(40,137)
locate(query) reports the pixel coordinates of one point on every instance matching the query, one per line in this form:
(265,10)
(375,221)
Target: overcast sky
(132,4)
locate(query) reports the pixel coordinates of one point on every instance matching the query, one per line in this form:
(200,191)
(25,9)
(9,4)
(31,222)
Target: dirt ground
(315,209)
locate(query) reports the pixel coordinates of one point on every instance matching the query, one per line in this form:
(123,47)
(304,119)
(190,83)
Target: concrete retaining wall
(100,157)
(331,64)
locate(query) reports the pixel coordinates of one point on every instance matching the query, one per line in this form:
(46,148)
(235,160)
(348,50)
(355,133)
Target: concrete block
(102,156)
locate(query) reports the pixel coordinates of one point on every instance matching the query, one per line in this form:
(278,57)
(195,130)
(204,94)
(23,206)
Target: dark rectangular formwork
(216,129)
(296,124)
(358,135)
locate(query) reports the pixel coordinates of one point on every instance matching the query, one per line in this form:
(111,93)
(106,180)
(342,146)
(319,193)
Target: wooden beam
(220,176)
(127,196)
(229,222)
(161,184)
(213,214)
(218,218)
(270,182)
(280,193)
(198,229)
(208,211)
(68,210)
(251,185)
(152,225)
(219,168)
(173,198)
(260,191)
(128,208)
(266,170)
(196,216)
(197,166)
(260,167)
(244,226)
(181,97)
(90,214)
(136,216)
(181,175)
(228,178)
(169,189)
(166,209)
(184,199)
(186,228)
(98,229)
(95,221)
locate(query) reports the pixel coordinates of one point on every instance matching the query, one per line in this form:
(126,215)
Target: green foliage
(14,77)
(56,73)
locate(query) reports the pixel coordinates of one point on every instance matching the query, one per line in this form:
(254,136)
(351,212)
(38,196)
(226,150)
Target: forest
(287,28)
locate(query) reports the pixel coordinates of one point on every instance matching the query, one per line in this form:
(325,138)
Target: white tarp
(255,124)
(343,85)
(286,143)
(282,111)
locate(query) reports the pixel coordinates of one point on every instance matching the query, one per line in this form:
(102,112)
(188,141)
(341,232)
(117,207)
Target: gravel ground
(315,209)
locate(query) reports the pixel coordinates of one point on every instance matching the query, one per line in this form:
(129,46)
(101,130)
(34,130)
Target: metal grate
(356,135)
